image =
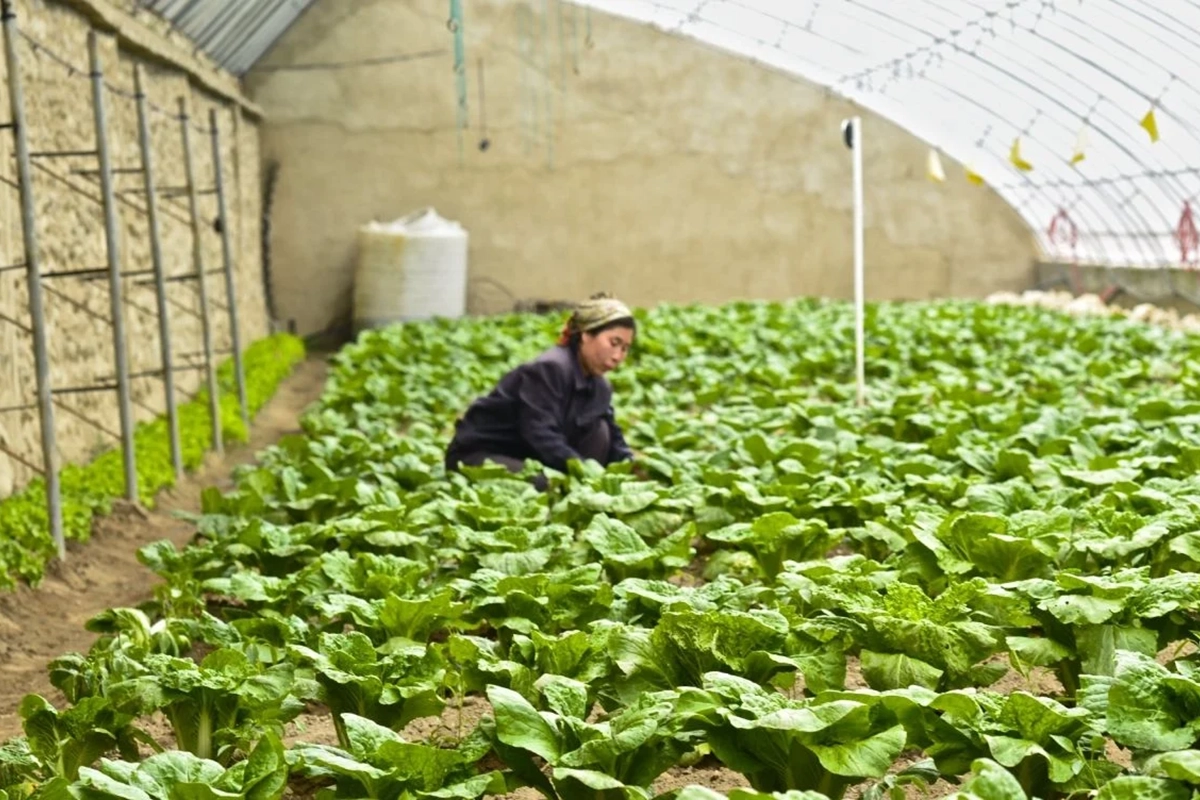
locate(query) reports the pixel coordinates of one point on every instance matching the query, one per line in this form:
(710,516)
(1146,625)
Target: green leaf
(869,758)
(1138,787)
(884,671)
(1037,651)
(518,724)
(1076,609)
(1103,477)
(991,781)
(1100,644)
(95,785)
(1150,709)
(1183,765)
(564,696)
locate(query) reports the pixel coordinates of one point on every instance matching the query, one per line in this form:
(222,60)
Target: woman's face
(603,352)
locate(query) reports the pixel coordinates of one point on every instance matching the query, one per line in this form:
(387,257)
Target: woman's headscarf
(595,312)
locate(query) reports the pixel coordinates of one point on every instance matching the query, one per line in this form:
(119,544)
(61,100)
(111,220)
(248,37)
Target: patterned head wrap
(595,312)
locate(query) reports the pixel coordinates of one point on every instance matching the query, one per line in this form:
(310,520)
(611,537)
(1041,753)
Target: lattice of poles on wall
(49,397)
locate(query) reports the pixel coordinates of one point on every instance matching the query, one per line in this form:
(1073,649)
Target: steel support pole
(852,135)
(156,258)
(112,226)
(859,280)
(230,287)
(214,399)
(41,351)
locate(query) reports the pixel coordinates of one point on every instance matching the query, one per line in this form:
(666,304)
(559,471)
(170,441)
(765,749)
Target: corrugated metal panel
(234,33)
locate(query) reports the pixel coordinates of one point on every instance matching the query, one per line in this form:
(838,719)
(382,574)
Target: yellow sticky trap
(1081,144)
(1150,123)
(934,169)
(974,177)
(1014,156)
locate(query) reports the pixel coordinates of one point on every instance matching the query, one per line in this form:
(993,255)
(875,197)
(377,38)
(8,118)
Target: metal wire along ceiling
(1081,113)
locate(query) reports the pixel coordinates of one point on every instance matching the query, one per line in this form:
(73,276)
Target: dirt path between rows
(38,625)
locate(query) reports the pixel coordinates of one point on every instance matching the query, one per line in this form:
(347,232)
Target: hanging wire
(955,96)
(932,50)
(547,93)
(40,48)
(1038,91)
(1045,77)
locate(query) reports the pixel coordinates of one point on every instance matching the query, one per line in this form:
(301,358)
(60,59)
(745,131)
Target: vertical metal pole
(160,283)
(859,281)
(111,237)
(230,288)
(214,400)
(41,354)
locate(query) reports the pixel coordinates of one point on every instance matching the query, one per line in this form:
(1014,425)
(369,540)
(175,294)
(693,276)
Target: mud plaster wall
(622,158)
(71,232)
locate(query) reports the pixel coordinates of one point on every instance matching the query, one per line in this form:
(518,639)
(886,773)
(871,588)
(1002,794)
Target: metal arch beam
(1173,27)
(1120,213)
(1094,213)
(1182,120)
(935,40)
(1017,79)
(677,30)
(955,96)
(1150,237)
(1167,197)
(1117,79)
(1100,8)
(1091,63)
(1124,45)
(1100,217)
(1088,208)
(1036,90)
(1083,209)
(787,24)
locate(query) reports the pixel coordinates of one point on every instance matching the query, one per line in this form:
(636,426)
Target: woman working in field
(557,407)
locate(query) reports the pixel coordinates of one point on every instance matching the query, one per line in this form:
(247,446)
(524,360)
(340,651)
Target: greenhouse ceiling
(1081,113)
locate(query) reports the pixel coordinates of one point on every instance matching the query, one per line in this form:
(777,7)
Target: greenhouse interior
(609,399)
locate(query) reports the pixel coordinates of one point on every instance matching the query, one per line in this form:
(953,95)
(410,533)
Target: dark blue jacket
(538,410)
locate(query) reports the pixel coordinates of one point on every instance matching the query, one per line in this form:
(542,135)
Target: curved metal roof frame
(234,33)
(971,77)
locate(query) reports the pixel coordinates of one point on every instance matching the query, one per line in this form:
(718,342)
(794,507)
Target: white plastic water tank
(411,269)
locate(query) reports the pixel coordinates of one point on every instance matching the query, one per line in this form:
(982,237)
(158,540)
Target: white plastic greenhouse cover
(1061,78)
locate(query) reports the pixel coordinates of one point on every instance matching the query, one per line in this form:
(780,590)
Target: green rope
(460,72)
(562,53)
(575,38)
(528,92)
(549,95)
